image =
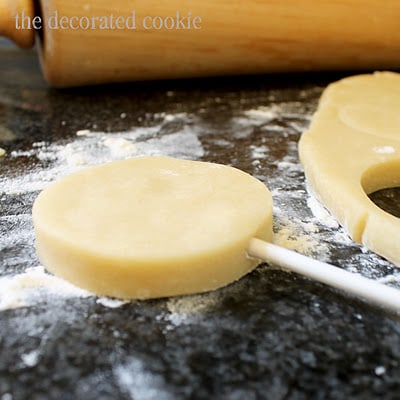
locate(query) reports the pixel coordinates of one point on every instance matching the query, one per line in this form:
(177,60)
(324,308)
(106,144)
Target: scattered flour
(380,370)
(341,236)
(263,114)
(83,132)
(36,286)
(91,148)
(289,164)
(72,157)
(183,310)
(111,303)
(321,213)
(243,125)
(293,228)
(299,237)
(33,287)
(120,147)
(31,359)
(140,383)
(286,165)
(259,152)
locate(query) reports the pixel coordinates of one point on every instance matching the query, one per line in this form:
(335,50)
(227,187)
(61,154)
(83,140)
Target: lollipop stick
(367,289)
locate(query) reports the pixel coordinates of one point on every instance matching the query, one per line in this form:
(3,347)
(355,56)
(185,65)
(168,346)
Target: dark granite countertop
(272,335)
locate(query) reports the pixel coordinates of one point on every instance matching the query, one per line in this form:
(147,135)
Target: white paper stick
(355,284)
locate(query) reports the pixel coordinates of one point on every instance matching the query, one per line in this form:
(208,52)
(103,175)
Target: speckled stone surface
(272,335)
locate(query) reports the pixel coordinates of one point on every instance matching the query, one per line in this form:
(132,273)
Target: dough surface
(351,149)
(151,227)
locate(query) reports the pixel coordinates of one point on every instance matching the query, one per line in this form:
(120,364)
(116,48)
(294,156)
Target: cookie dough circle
(151,227)
(353,149)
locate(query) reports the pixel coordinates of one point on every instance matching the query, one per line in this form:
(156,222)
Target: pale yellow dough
(151,227)
(353,148)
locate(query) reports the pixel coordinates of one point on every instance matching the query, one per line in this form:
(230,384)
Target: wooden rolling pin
(175,39)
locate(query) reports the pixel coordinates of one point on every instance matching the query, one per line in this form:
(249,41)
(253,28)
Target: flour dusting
(321,213)
(183,310)
(91,148)
(111,303)
(31,359)
(300,237)
(263,114)
(33,287)
(140,383)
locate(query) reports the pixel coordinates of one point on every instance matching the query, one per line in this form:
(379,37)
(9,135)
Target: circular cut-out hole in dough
(382,185)
(388,200)
(380,176)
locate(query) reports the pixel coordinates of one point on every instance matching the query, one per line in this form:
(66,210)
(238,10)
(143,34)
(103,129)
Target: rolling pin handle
(11,25)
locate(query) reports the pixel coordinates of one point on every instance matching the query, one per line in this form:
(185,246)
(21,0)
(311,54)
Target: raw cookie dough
(2,152)
(352,149)
(151,227)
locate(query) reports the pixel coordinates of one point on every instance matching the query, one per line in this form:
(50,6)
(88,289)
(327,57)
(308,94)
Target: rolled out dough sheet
(351,149)
(151,227)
